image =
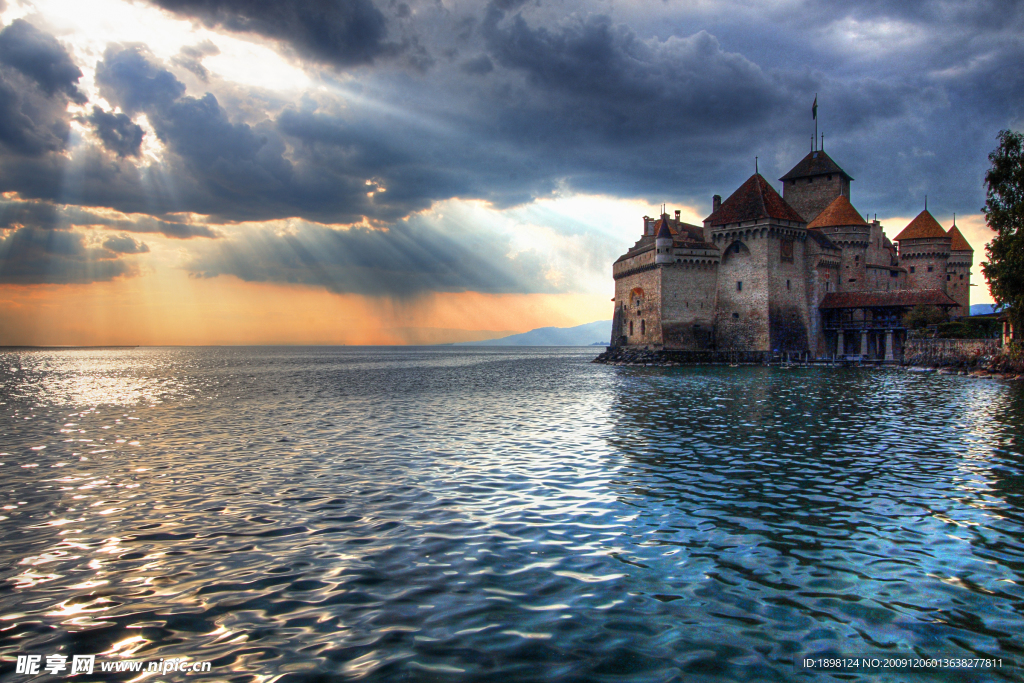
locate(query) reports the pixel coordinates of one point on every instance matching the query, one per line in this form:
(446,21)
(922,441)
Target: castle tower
(663,243)
(958,272)
(814,183)
(843,225)
(924,249)
(761,301)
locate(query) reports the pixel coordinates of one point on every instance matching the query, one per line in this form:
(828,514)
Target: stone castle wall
(810,196)
(788,315)
(925,261)
(645,317)
(958,282)
(742,316)
(688,305)
(957,352)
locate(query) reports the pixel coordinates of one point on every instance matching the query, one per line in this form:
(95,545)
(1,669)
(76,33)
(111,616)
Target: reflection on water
(490,514)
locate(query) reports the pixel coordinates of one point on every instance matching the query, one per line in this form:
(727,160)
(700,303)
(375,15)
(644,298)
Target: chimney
(678,212)
(647,225)
(716,203)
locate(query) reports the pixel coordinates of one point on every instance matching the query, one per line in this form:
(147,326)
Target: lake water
(460,514)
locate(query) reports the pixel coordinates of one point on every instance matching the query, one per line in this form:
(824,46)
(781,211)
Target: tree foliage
(1004,211)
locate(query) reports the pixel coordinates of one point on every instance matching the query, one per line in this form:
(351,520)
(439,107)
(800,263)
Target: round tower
(924,251)
(958,272)
(843,225)
(663,243)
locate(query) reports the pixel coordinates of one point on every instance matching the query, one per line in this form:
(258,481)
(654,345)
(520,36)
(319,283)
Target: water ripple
(495,515)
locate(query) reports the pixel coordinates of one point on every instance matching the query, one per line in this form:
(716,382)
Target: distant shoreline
(63,348)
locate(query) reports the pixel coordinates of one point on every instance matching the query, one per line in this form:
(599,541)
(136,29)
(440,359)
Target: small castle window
(961,277)
(736,315)
(930,269)
(810,180)
(643,327)
(739,286)
(948,277)
(630,328)
(787,284)
(911,269)
(894,273)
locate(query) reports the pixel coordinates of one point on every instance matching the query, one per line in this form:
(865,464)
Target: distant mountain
(581,335)
(982,309)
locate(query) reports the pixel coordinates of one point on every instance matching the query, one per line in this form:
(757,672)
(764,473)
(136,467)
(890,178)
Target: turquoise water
(460,514)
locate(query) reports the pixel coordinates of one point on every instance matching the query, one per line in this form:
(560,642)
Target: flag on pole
(814,109)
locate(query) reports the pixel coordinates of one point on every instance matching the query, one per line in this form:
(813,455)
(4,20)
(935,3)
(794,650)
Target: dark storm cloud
(128,77)
(40,215)
(403,261)
(342,32)
(125,244)
(37,78)
(29,256)
(118,133)
(40,57)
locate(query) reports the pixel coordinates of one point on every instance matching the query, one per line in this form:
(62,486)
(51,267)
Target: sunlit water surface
(504,515)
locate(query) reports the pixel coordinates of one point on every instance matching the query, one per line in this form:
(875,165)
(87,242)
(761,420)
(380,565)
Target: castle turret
(663,242)
(958,272)
(924,251)
(814,183)
(843,225)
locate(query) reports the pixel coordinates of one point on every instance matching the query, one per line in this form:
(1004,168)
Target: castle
(800,275)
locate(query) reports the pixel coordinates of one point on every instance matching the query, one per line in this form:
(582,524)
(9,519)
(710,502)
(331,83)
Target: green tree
(1004,211)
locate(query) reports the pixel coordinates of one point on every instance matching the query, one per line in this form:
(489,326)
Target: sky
(430,171)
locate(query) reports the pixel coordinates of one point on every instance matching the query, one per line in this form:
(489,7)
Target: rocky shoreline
(998,366)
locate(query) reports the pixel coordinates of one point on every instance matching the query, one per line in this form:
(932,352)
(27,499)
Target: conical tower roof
(753,200)
(923,227)
(814,164)
(839,212)
(664,231)
(959,243)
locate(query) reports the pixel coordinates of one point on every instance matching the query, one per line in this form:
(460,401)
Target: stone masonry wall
(957,352)
(646,318)
(688,305)
(810,196)
(742,315)
(917,256)
(787,297)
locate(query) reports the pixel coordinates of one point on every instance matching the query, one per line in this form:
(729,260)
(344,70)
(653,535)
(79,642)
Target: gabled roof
(959,243)
(839,212)
(923,227)
(904,298)
(753,200)
(815,163)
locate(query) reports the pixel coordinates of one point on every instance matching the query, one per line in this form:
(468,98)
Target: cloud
(118,133)
(37,79)
(30,256)
(191,57)
(40,57)
(341,32)
(411,258)
(41,215)
(125,244)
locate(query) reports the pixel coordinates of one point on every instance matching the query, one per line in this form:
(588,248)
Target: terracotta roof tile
(903,298)
(815,163)
(959,243)
(839,212)
(753,200)
(923,227)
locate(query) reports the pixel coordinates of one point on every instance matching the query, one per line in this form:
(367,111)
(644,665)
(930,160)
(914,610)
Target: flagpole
(814,113)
